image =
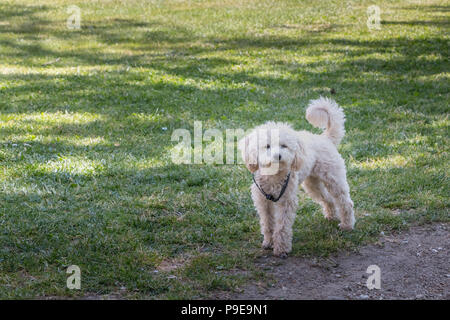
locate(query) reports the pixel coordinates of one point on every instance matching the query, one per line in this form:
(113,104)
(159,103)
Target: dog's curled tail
(326,114)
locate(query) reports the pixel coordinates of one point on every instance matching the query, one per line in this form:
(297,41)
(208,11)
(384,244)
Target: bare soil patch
(414,265)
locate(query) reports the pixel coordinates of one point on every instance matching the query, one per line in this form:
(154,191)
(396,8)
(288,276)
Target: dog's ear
(298,156)
(249,150)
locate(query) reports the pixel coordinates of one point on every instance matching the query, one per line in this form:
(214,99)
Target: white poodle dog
(281,158)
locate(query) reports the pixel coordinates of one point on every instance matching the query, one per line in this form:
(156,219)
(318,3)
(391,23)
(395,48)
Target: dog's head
(272,148)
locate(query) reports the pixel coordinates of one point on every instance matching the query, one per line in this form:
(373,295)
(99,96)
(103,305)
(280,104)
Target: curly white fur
(325,113)
(274,149)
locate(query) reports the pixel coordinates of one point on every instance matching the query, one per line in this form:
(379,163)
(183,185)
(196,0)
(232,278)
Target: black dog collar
(269,196)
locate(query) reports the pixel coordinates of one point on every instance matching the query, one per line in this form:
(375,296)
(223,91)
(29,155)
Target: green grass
(86,176)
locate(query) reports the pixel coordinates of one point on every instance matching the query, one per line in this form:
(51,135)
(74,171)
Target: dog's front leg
(266,222)
(282,235)
(265,218)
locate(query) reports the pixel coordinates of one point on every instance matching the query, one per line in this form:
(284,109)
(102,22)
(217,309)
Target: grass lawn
(86,118)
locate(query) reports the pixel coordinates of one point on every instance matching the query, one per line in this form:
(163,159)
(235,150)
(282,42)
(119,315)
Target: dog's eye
(268,146)
(284,146)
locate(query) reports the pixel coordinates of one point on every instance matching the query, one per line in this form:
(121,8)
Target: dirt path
(414,265)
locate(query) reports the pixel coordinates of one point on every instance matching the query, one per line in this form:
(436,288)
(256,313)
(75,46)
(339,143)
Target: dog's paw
(345,227)
(267,245)
(282,255)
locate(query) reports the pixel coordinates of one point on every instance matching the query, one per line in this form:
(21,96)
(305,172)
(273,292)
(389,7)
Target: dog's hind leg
(317,191)
(340,191)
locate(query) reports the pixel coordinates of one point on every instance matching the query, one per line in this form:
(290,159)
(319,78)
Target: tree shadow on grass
(204,69)
(443,22)
(10,11)
(180,61)
(434,8)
